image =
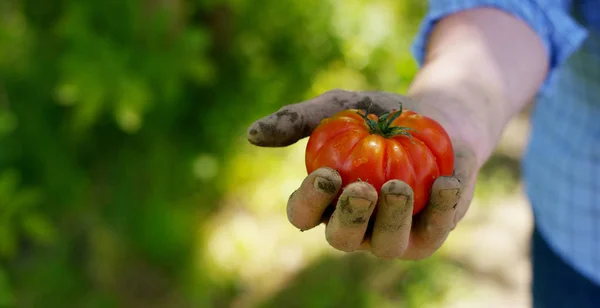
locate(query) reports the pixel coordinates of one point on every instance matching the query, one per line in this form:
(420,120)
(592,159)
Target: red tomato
(400,145)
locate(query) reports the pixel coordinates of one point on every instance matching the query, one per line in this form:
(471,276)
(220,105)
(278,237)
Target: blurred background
(126,179)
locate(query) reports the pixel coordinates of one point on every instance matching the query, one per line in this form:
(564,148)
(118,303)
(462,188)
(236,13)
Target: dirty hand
(393,232)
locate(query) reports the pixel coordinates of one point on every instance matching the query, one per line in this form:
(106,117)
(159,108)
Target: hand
(393,232)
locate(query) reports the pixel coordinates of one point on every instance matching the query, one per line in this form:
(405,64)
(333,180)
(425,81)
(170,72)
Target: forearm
(482,67)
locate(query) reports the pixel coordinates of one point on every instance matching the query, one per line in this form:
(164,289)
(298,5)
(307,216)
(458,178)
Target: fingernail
(324,185)
(355,211)
(396,199)
(359,203)
(448,193)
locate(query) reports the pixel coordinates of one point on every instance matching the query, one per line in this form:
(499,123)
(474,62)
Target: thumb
(282,128)
(296,121)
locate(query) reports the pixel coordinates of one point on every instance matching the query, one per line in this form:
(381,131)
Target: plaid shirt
(562,163)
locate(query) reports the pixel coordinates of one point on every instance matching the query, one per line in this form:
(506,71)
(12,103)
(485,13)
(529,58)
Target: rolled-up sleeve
(550,19)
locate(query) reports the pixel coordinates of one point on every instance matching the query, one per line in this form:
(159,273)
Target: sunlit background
(126,179)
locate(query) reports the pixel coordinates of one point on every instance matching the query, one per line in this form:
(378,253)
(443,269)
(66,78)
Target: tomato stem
(383,126)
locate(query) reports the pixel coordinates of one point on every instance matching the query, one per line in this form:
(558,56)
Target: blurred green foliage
(358,281)
(116,118)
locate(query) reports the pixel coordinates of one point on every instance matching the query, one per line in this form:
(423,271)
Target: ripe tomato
(400,145)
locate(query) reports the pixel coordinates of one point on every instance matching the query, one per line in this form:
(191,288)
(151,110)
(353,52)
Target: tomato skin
(344,142)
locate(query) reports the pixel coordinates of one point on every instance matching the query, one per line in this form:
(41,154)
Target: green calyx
(384,127)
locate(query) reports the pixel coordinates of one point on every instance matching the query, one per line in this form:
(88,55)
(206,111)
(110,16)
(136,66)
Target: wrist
(466,112)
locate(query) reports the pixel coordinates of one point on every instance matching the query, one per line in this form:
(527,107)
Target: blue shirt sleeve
(550,19)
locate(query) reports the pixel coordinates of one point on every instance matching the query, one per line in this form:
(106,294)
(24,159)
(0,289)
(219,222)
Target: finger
(393,220)
(282,128)
(432,226)
(465,170)
(306,205)
(346,228)
(296,121)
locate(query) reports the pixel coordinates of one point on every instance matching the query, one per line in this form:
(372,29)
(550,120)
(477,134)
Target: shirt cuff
(559,32)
